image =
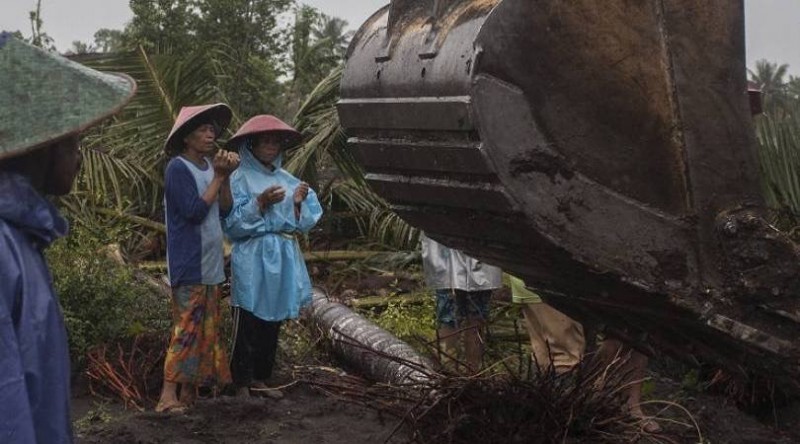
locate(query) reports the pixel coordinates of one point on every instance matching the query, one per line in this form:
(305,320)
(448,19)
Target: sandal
(177,408)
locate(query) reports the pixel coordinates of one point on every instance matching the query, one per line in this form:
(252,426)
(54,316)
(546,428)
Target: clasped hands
(225,162)
(276,193)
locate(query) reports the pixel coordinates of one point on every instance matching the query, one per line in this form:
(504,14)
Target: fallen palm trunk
(309,256)
(378,354)
(383,301)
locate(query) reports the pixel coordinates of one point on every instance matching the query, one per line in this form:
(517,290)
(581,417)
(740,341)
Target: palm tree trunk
(375,352)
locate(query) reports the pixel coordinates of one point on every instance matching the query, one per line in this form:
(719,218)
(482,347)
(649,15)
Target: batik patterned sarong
(195,354)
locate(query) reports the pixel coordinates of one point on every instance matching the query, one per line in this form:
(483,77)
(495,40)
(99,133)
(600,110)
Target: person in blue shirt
(46,102)
(196,194)
(269,280)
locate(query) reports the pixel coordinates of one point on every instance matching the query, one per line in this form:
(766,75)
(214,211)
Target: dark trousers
(255,343)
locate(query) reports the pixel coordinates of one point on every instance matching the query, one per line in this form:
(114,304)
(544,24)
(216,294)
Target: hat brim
(47,97)
(293,138)
(219,114)
(93,121)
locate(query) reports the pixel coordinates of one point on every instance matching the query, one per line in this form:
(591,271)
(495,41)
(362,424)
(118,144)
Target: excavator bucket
(602,151)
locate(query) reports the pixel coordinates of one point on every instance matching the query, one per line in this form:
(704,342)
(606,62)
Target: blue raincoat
(34,355)
(269,276)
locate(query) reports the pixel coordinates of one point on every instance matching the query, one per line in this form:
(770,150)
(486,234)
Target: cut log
(375,352)
(114,252)
(143,221)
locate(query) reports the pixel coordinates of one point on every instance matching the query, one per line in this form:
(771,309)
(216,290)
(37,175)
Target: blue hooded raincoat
(34,355)
(269,275)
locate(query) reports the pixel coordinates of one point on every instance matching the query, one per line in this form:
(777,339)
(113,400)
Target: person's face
(267,147)
(201,140)
(65,163)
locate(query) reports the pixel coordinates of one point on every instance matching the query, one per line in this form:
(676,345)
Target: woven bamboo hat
(44,97)
(266,123)
(190,117)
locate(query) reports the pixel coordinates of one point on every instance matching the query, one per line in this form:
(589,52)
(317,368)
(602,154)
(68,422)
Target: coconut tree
(770,77)
(793,88)
(334,31)
(118,193)
(317,46)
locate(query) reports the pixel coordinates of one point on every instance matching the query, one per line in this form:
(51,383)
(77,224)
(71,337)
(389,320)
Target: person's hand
(224,163)
(233,160)
(271,195)
(218,163)
(300,193)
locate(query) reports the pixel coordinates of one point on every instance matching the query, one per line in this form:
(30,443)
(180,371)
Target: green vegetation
(778,134)
(185,52)
(102,299)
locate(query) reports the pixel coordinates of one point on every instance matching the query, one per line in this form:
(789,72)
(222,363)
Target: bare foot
(243,392)
(647,423)
(261,388)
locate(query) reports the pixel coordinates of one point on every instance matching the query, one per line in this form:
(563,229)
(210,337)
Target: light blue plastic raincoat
(269,275)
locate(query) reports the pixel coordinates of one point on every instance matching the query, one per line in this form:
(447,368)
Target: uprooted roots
(583,405)
(129,370)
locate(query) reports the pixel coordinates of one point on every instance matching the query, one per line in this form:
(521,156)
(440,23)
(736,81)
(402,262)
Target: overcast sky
(773,26)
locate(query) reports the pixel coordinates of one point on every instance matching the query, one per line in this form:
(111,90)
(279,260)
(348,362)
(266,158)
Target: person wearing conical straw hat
(269,279)
(46,101)
(196,194)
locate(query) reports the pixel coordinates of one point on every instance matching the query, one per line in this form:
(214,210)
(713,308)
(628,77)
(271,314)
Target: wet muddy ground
(306,415)
(302,416)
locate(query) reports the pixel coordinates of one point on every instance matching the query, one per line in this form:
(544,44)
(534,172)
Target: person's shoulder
(175,165)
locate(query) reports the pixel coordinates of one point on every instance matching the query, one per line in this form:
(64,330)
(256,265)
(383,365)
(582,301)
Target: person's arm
(308,212)
(245,219)
(300,194)
(225,197)
(224,164)
(181,193)
(212,192)
(16,418)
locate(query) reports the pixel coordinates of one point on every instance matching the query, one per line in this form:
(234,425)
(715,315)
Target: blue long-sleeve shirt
(194,233)
(34,355)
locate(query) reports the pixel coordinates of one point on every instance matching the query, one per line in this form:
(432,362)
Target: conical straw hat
(265,123)
(44,97)
(218,113)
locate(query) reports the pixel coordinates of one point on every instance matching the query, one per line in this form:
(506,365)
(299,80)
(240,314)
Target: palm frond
(318,120)
(779,156)
(375,217)
(124,158)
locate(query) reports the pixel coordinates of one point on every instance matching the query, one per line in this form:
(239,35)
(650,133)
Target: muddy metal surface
(605,155)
